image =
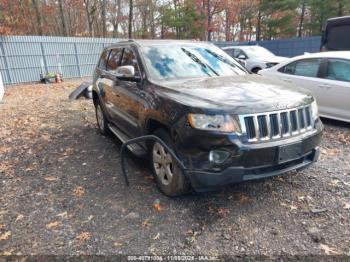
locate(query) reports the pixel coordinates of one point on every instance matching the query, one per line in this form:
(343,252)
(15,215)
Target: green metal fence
(24,58)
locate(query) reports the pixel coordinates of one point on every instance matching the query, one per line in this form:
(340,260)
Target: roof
(241,46)
(332,54)
(147,42)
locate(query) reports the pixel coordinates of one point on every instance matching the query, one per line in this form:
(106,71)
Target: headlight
(314,110)
(224,123)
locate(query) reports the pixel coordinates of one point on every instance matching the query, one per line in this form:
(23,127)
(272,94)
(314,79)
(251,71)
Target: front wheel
(101,119)
(169,176)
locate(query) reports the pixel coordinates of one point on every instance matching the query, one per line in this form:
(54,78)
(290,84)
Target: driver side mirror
(242,57)
(127,73)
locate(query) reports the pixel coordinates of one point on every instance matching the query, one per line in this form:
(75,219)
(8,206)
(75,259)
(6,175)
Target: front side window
(103,60)
(189,61)
(129,58)
(237,52)
(338,69)
(114,59)
(306,67)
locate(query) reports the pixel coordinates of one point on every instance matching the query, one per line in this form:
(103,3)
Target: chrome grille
(274,125)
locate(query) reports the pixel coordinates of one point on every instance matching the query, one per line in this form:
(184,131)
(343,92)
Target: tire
(169,176)
(101,119)
(256,70)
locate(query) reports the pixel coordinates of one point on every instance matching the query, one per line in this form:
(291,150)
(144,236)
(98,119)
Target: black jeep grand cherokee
(224,124)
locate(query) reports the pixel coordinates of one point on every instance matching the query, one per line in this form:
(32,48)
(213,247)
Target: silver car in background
(254,57)
(326,75)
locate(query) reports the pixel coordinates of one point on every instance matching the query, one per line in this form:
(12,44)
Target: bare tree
(91,11)
(116,17)
(301,18)
(63,18)
(130,18)
(103,14)
(39,17)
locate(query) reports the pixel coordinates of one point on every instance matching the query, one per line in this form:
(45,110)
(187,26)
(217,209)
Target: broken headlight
(223,123)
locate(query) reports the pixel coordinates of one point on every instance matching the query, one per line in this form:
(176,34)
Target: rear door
(334,89)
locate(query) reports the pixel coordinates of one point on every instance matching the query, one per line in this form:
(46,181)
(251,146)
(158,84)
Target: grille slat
(275,125)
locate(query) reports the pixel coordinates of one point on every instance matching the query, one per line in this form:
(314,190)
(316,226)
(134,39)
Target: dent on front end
(215,151)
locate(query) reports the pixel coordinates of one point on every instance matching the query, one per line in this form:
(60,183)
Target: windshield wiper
(198,61)
(223,59)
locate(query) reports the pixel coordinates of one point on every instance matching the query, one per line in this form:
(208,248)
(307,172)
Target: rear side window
(306,67)
(103,60)
(338,69)
(129,58)
(114,59)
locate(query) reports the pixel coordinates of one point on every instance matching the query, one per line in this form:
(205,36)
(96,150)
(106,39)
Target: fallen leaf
(145,223)
(19,217)
(52,225)
(292,207)
(90,217)
(157,236)
(2,226)
(63,214)
(84,236)
(223,211)
(50,178)
(79,191)
(329,250)
(7,252)
(346,205)
(117,244)
(244,198)
(5,236)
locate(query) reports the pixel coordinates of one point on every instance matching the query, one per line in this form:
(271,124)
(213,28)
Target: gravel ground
(62,193)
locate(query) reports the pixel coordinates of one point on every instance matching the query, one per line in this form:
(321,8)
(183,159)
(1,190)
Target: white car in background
(254,57)
(326,75)
(1,88)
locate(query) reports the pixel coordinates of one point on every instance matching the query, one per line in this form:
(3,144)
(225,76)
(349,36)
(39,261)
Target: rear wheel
(256,70)
(169,176)
(101,119)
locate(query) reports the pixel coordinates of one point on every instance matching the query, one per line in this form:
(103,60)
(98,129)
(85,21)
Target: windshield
(189,61)
(257,52)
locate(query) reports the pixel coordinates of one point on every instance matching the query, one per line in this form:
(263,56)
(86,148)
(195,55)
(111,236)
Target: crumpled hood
(251,93)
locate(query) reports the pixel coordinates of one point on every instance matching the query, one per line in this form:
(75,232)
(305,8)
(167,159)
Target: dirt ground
(62,193)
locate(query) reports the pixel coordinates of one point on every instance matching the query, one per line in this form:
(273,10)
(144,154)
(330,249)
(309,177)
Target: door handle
(324,86)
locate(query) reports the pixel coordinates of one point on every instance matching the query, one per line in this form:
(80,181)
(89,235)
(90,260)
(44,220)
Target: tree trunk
(301,19)
(63,19)
(116,21)
(209,20)
(258,27)
(39,18)
(130,18)
(340,8)
(227,24)
(103,14)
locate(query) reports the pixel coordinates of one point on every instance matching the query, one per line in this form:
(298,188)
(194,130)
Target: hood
(247,94)
(273,59)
